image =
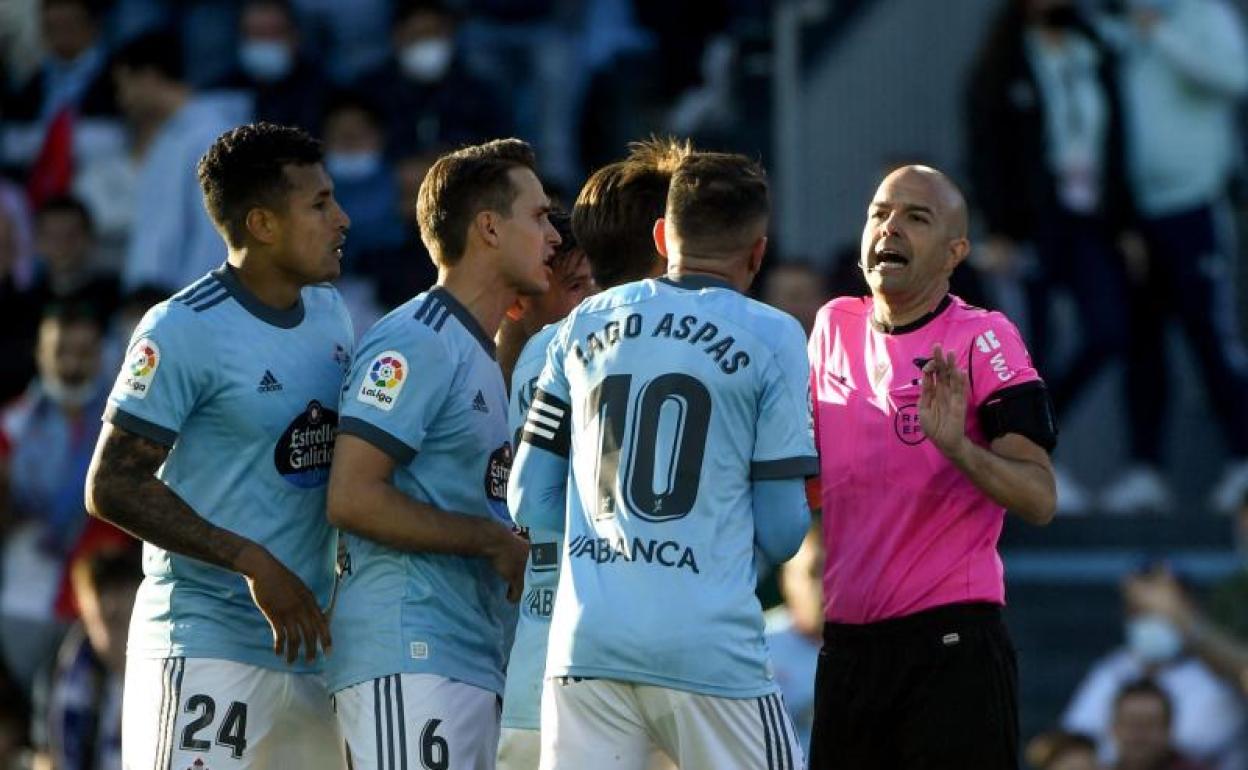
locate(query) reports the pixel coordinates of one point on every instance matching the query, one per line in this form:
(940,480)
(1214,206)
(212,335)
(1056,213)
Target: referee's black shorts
(935,690)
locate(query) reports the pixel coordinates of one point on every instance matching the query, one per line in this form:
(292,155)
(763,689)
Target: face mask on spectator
(352,166)
(427,60)
(1153,639)
(265,60)
(65,395)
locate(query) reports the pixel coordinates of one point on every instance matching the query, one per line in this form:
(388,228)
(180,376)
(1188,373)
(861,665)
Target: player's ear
(757,251)
(660,236)
(262,225)
(516,311)
(959,248)
(485,224)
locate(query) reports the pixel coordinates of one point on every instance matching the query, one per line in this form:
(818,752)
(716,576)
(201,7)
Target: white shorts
(608,725)
(521,749)
(228,715)
(418,721)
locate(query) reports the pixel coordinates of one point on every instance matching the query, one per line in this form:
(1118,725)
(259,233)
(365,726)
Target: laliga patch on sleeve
(139,369)
(384,380)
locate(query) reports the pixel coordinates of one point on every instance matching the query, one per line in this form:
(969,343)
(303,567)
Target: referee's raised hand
(942,406)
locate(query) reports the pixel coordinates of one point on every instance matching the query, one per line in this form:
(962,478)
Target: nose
(553,237)
(344,221)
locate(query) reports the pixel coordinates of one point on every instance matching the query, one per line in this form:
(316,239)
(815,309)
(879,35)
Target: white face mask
(1153,639)
(427,60)
(266,60)
(67,396)
(352,166)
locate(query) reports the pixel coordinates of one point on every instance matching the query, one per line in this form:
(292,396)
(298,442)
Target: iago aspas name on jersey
(687,329)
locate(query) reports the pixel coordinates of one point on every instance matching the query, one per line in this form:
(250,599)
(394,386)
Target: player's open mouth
(890,259)
(338,248)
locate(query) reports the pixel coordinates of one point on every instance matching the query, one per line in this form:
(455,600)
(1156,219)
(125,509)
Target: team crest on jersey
(384,380)
(139,369)
(304,451)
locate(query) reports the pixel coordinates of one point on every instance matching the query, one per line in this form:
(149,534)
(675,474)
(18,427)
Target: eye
(919,218)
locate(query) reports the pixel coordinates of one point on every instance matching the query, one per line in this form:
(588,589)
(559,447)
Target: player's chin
(331,268)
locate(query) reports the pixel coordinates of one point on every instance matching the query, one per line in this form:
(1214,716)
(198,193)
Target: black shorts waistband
(927,620)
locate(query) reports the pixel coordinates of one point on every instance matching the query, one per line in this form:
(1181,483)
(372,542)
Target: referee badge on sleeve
(383,381)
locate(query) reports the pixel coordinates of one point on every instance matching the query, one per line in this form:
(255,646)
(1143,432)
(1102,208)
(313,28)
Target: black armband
(1024,409)
(548,424)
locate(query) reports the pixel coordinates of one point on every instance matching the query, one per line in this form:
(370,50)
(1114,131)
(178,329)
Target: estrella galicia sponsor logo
(384,380)
(140,368)
(497,471)
(665,553)
(304,451)
(907,425)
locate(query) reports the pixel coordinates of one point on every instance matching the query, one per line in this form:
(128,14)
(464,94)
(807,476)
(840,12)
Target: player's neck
(487,301)
(900,310)
(271,286)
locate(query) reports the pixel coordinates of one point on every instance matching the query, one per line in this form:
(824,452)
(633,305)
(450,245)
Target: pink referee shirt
(905,530)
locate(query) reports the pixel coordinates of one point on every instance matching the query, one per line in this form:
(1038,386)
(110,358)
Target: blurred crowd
(1104,155)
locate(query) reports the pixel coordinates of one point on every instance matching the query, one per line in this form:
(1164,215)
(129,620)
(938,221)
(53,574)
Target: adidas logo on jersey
(479,404)
(268,383)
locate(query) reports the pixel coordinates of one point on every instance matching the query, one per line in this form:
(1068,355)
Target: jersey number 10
(668,432)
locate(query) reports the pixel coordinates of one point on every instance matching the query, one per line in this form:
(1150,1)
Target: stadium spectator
(1047,172)
(65,245)
(951,427)
(1059,750)
(1184,71)
(77,722)
(432,102)
(19,305)
(797,287)
(1228,599)
(172,241)
(73,76)
(405,270)
(52,431)
(1142,716)
(795,631)
(1163,643)
(350,44)
(286,87)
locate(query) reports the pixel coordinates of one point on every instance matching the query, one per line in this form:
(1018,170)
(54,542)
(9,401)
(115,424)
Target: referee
(930,421)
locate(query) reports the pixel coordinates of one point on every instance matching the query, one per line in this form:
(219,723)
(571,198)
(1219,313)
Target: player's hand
(508,555)
(942,405)
(292,611)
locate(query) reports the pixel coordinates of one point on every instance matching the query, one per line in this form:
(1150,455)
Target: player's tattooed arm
(123,490)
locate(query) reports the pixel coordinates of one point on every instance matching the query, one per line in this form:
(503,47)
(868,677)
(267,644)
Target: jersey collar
(288,318)
(917,323)
(696,282)
(466,319)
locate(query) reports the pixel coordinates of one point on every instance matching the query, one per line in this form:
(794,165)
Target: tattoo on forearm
(129,495)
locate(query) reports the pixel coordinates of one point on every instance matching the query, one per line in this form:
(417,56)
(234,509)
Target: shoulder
(845,308)
(624,294)
(973,321)
(535,349)
(413,327)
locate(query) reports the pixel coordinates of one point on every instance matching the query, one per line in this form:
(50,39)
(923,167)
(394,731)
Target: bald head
(946,199)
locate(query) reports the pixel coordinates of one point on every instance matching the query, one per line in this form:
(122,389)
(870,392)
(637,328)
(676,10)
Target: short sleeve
(998,359)
(397,386)
(548,422)
(165,372)
(784,443)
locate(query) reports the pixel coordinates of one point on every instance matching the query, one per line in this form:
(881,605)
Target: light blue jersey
(426,390)
(522,699)
(246,397)
(669,400)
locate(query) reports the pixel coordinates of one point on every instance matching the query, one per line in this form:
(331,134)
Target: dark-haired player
(216,452)
(668,439)
(419,483)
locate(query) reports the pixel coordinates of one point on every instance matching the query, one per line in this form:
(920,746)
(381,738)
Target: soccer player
(419,482)
(930,422)
(680,408)
(216,451)
(615,213)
